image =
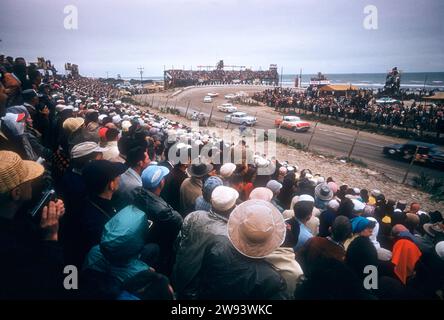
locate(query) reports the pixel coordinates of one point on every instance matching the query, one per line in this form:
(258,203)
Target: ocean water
(413,80)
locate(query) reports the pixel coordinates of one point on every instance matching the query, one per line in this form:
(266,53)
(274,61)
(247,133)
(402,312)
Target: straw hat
(323,192)
(256,228)
(14,171)
(73,124)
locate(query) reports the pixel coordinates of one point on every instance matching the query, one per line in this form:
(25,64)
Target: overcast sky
(315,35)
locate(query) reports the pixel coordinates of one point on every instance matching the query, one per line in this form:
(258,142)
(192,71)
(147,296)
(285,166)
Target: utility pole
(282,71)
(300,78)
(141,73)
(107,75)
(410,165)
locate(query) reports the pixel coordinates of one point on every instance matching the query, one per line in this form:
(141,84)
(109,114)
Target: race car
(292,123)
(428,154)
(240,118)
(207,99)
(230,96)
(227,107)
(212,94)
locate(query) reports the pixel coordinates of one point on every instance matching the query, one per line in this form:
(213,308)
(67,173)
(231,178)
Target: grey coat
(198,233)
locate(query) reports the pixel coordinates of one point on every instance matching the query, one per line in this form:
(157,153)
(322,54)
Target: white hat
(375,193)
(274,186)
(60,107)
(333,204)
(227,169)
(223,198)
(358,205)
(439,248)
(320,180)
(118,103)
(261,193)
(126,125)
(306,197)
(356,191)
(85,148)
(117,119)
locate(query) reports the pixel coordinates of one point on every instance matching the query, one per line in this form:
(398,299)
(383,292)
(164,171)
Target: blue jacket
(122,241)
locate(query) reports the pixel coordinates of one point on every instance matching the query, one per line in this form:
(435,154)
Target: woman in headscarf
(406,254)
(383,254)
(360,227)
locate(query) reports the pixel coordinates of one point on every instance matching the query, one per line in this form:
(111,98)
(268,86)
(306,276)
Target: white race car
(227,107)
(230,96)
(240,118)
(207,99)
(212,94)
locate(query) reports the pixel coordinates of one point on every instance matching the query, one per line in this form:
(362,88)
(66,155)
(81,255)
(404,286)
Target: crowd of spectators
(361,107)
(142,216)
(180,78)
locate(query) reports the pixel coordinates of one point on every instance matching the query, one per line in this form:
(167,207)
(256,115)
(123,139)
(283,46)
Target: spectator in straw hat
(323,194)
(71,125)
(199,232)
(37,253)
(255,229)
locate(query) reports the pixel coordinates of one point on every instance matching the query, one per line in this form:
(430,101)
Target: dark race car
(428,154)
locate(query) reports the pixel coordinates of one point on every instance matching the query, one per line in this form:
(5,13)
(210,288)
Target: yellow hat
(387,219)
(14,171)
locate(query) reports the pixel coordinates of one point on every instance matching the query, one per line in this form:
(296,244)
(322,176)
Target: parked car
(227,107)
(207,99)
(292,123)
(240,118)
(428,154)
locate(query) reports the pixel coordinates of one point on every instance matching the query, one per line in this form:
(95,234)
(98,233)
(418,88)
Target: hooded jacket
(166,222)
(122,241)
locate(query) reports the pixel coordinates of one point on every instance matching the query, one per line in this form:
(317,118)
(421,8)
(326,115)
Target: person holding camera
(32,261)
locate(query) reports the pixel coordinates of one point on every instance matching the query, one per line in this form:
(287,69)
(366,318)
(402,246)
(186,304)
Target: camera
(49,195)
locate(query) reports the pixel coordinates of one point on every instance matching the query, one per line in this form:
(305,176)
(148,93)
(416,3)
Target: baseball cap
(153,175)
(85,148)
